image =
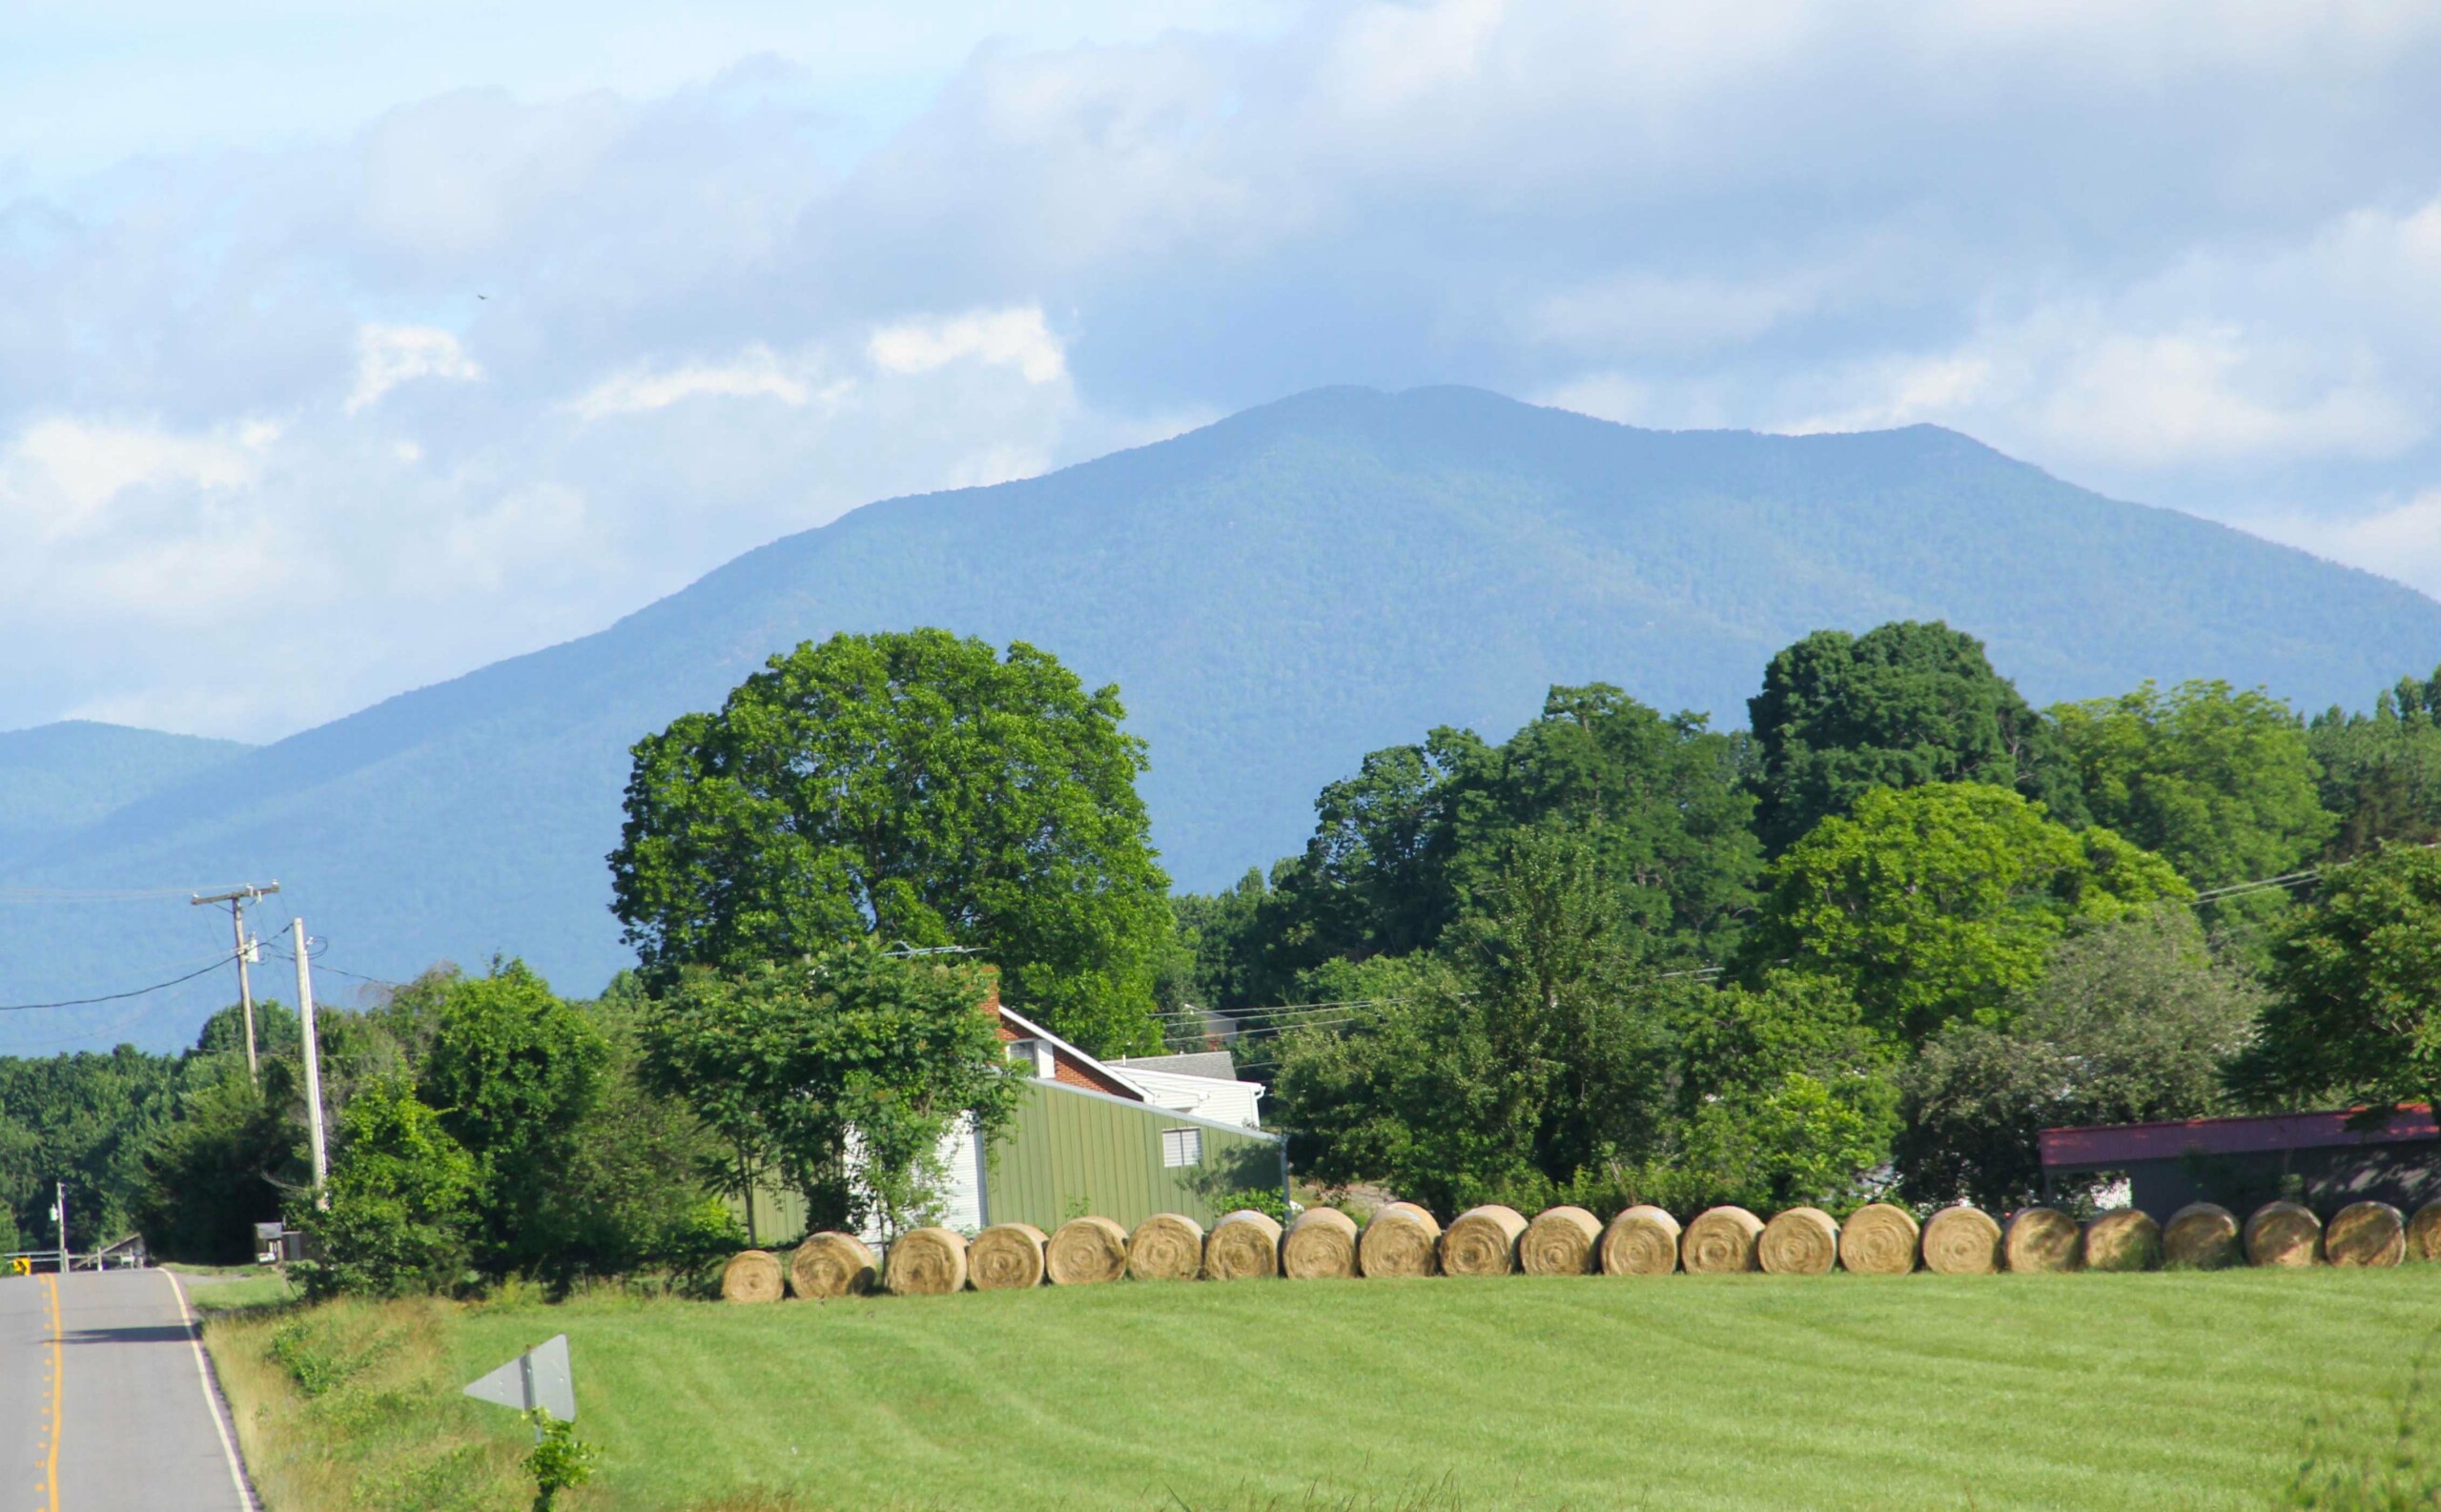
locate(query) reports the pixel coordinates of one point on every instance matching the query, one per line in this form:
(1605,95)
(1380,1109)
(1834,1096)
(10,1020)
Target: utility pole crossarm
(237,899)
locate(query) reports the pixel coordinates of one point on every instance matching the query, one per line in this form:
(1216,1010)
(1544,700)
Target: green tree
(511,1074)
(638,1186)
(915,785)
(2355,1011)
(402,1200)
(2220,783)
(1935,903)
(1785,1096)
(2132,1022)
(852,1042)
(1416,841)
(1529,1057)
(2381,772)
(1902,706)
(225,1165)
(84,1119)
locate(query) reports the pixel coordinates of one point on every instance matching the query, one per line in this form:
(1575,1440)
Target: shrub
(402,1201)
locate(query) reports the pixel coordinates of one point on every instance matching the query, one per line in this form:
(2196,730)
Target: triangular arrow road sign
(538,1377)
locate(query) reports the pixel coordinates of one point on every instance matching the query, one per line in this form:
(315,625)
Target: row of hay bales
(1403,1241)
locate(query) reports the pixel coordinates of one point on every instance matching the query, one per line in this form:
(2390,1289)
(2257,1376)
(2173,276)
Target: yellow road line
(58,1403)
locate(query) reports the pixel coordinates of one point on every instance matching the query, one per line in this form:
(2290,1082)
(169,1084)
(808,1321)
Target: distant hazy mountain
(60,777)
(1274,595)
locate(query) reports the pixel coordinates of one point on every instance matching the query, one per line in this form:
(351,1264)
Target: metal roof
(2122,1144)
(1215,1065)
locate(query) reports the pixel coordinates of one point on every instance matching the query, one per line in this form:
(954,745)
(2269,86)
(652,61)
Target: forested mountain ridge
(1274,595)
(63,776)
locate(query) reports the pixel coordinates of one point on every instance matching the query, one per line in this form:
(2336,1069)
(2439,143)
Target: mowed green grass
(2170,1391)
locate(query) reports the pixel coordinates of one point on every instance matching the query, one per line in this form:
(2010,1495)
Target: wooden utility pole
(313,1064)
(237,899)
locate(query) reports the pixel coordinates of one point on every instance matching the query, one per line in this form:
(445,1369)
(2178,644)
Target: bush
(402,1201)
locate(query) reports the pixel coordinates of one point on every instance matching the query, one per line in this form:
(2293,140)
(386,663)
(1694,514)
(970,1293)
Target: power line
(91,894)
(1276,1008)
(315,946)
(217,963)
(2260,884)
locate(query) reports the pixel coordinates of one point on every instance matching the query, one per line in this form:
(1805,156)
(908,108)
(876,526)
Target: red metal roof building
(2243,1162)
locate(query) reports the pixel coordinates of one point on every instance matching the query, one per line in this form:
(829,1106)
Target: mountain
(1274,595)
(57,778)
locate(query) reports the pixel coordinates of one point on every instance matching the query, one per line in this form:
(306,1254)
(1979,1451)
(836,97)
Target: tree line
(1876,940)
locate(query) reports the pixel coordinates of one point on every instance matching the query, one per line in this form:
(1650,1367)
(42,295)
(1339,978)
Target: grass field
(2162,1391)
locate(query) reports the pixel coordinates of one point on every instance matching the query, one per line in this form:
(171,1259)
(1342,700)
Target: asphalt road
(102,1406)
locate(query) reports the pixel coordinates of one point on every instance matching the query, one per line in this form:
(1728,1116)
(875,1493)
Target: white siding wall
(962,1200)
(1238,1102)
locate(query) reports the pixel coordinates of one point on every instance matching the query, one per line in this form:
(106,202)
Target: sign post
(538,1377)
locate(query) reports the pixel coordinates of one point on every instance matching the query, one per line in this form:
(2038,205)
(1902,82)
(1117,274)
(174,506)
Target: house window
(1181,1147)
(1033,1056)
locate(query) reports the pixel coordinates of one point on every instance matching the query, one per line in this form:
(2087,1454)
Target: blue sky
(342,350)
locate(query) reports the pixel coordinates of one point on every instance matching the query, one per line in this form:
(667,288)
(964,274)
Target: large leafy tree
(920,786)
(1527,1057)
(1933,904)
(1902,706)
(2219,783)
(2355,1014)
(2132,1021)
(851,1049)
(1415,842)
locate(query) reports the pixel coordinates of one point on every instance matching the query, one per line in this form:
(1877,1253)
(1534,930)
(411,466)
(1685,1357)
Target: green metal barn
(1070,1151)
(1120,1140)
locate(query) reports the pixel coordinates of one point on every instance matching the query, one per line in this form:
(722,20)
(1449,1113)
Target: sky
(346,348)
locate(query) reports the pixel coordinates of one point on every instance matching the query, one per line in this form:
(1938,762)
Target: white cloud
(2188,253)
(1640,313)
(1017,339)
(756,373)
(62,473)
(2402,541)
(387,355)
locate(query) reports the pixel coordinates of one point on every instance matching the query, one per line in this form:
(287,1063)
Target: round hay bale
(2201,1236)
(1085,1252)
(1006,1258)
(751,1276)
(1166,1247)
(1720,1241)
(1483,1241)
(1560,1242)
(1880,1239)
(1641,1242)
(926,1262)
(1963,1241)
(2124,1239)
(2366,1233)
(2284,1234)
(1798,1242)
(1400,1239)
(2043,1239)
(1321,1246)
(2424,1232)
(830,1264)
(1243,1246)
